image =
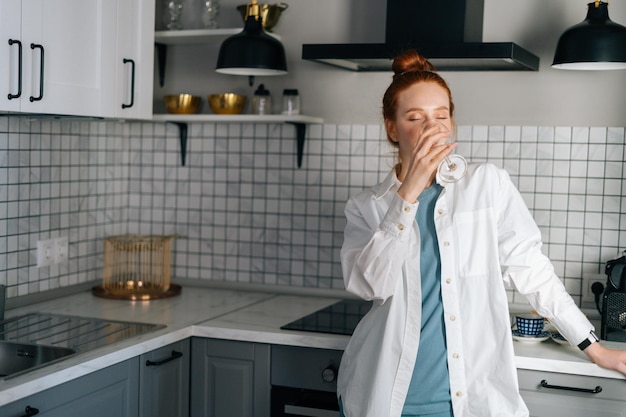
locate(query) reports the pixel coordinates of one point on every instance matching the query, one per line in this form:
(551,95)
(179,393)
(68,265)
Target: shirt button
(400,227)
(452,317)
(407,209)
(455,356)
(440,211)
(459,394)
(446,243)
(448,280)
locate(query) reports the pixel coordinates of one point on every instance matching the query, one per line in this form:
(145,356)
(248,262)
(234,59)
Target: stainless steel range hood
(447,32)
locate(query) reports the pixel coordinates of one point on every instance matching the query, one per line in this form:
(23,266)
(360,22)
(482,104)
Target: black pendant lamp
(597,43)
(252,52)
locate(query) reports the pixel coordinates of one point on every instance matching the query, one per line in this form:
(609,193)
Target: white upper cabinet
(65,57)
(11,51)
(135,58)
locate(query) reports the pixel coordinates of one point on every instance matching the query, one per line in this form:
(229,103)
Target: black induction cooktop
(338,318)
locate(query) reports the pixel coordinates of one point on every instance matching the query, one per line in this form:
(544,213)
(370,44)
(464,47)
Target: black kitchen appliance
(613,324)
(312,390)
(339,318)
(448,33)
(309,391)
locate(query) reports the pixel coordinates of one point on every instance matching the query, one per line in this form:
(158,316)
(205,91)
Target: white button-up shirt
(488,242)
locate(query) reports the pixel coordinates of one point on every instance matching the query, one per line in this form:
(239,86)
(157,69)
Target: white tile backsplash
(247,214)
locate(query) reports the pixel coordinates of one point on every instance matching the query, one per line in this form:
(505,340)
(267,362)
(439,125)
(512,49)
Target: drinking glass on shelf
(173,13)
(208,13)
(454,166)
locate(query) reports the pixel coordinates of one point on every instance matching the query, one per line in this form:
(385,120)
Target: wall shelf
(236,118)
(164,38)
(193,36)
(182,120)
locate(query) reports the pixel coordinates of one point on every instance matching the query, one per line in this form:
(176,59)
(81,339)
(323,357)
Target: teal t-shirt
(429,391)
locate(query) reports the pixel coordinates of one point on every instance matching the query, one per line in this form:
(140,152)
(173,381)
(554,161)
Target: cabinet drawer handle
(31,98)
(30,411)
(595,390)
(19,69)
(132,83)
(175,355)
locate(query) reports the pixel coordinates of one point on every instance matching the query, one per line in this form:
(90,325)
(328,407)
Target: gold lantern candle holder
(137,267)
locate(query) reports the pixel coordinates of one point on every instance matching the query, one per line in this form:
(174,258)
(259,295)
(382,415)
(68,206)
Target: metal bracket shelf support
(161,51)
(300,136)
(182,133)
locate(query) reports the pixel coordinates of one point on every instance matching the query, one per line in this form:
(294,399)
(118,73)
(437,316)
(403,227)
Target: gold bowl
(183,103)
(227,103)
(270,13)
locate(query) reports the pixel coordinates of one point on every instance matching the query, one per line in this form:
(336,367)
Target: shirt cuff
(592,338)
(400,217)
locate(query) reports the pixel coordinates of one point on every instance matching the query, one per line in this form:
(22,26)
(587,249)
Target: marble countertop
(226,314)
(178,314)
(261,323)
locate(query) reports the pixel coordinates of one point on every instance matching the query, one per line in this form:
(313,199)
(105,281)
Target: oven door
(288,402)
(304,381)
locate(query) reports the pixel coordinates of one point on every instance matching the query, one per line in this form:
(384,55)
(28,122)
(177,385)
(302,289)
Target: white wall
(546,97)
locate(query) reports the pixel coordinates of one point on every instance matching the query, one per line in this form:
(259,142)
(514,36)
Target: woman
(436,260)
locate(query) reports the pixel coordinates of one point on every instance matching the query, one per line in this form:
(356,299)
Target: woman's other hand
(607,358)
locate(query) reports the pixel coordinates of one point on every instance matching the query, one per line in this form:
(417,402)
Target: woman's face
(422,102)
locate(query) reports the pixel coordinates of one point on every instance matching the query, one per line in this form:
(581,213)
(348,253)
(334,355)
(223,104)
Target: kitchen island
(231,315)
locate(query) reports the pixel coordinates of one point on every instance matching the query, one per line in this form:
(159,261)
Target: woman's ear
(392,133)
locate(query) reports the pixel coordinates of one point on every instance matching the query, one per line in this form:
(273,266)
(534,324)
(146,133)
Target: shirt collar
(390,182)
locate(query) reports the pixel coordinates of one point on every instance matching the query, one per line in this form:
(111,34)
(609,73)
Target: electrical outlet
(46,252)
(588,297)
(61,250)
(53,251)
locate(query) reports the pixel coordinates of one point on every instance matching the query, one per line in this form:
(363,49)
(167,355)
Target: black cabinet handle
(595,390)
(19,69)
(175,355)
(132,83)
(30,411)
(40,47)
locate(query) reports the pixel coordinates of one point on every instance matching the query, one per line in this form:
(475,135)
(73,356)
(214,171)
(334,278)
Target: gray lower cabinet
(550,394)
(164,381)
(110,392)
(229,378)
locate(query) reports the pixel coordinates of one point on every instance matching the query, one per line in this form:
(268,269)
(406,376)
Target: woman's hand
(607,358)
(429,150)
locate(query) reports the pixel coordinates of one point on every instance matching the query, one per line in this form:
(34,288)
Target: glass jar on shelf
(261,101)
(290,102)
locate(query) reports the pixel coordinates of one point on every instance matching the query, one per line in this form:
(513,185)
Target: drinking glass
(209,12)
(173,12)
(453,167)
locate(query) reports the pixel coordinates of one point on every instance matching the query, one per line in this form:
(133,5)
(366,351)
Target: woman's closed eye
(416,117)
